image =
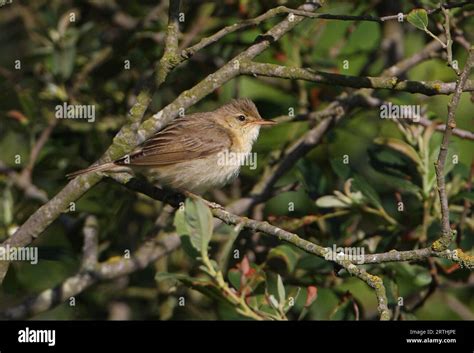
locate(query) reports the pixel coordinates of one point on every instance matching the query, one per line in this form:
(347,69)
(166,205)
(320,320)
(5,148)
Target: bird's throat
(242,143)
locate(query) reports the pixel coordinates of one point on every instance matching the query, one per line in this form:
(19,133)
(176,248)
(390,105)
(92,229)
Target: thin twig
(31,190)
(447,234)
(464,134)
(35,151)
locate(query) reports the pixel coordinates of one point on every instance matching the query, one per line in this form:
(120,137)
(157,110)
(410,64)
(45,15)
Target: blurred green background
(55,57)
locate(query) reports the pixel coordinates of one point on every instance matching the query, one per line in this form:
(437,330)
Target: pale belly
(197,175)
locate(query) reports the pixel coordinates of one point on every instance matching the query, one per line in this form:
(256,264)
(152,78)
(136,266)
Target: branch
(265,227)
(157,248)
(447,234)
(170,56)
(90,249)
(188,52)
(392,17)
(323,16)
(458,256)
(371,102)
(203,43)
(35,151)
(464,134)
(110,269)
(263,190)
(428,52)
(428,88)
(129,137)
(31,190)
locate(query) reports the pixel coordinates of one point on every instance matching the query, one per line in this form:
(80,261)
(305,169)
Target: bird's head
(242,118)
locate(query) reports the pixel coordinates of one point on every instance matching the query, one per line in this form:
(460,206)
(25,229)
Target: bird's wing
(183,140)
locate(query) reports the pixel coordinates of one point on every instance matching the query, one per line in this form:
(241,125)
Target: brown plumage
(184,154)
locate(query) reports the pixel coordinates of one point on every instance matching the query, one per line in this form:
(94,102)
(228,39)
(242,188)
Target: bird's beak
(264,122)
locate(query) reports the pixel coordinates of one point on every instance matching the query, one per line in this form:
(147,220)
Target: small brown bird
(192,152)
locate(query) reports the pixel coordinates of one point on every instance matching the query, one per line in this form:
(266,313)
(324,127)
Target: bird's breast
(200,174)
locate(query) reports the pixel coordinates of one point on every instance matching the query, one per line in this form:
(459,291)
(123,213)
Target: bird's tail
(92,168)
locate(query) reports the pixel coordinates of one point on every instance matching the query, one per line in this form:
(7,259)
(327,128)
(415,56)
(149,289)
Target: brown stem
(447,235)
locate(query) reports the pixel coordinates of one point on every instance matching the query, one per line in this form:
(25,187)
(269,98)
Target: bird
(188,154)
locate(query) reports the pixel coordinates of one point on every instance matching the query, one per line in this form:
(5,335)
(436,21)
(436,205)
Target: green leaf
(167,307)
(202,285)
(330,201)
(341,169)
(402,185)
(418,18)
(272,300)
(402,147)
(183,231)
(189,248)
(283,256)
(343,311)
(281,290)
(392,291)
(234,278)
(423,279)
(180,222)
(28,103)
(163,276)
(465,195)
(226,251)
(199,223)
(367,190)
(311,176)
(417,275)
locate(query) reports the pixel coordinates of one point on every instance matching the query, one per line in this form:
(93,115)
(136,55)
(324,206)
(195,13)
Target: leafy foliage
(370,183)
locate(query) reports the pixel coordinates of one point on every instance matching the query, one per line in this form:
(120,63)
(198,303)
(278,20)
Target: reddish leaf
(452,268)
(314,97)
(243,10)
(245,266)
(311,295)
(17,115)
(280,56)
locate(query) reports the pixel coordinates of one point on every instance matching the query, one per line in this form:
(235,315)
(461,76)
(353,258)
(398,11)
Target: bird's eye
(241,117)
